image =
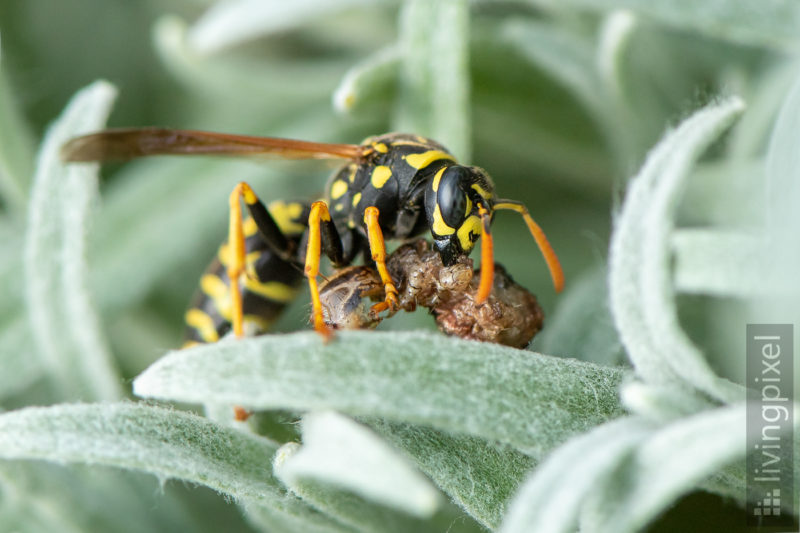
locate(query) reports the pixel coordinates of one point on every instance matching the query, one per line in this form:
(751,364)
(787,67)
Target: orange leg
(319,214)
(236,264)
(236,251)
(487,258)
(377,247)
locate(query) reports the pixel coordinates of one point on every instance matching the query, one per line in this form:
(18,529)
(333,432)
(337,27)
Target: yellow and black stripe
(268,284)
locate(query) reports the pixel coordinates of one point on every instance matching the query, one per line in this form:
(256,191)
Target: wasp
(391,186)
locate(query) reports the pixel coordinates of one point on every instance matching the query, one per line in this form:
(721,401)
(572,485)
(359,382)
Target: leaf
(253,84)
(163,442)
(662,402)
(590,70)
(348,508)
(374,79)
(567,56)
(642,298)
(739,259)
(434,73)
(769,23)
(530,401)
(342,453)
(783,192)
(227,24)
(291,519)
(552,497)
(20,369)
(16,149)
(59,304)
(671,462)
(34,500)
(479,476)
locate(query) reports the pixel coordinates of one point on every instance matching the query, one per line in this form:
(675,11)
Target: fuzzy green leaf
(167,443)
(480,477)
(434,73)
(570,475)
(642,298)
(345,506)
(16,149)
(371,80)
(251,83)
(227,24)
(530,401)
(591,71)
(20,368)
(291,519)
(59,304)
(663,402)
(767,22)
(783,192)
(342,453)
(34,499)
(672,461)
(739,263)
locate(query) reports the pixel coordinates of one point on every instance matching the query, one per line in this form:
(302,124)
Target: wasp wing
(129,143)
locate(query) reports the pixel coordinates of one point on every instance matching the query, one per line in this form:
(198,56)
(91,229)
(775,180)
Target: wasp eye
(451,195)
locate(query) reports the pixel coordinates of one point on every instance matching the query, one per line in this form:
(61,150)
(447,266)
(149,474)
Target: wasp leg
(322,234)
(377,247)
(269,231)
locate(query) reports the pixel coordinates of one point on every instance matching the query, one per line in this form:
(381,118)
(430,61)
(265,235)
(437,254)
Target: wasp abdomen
(268,284)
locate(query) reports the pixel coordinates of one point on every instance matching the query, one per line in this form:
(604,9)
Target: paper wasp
(392,186)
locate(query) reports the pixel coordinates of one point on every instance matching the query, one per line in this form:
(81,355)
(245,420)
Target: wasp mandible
(392,186)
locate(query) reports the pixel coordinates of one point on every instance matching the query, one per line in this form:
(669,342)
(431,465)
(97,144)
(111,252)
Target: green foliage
(664,132)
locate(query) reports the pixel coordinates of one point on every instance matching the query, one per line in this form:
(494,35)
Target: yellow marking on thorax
(203,323)
(480,190)
(274,290)
(338,207)
(410,142)
(285,215)
(380,147)
(338,189)
(471,225)
(356,198)
(439,226)
(219,292)
(424,159)
(437,178)
(380,176)
(352,176)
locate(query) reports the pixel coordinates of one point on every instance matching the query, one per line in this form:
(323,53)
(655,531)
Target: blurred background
(560,104)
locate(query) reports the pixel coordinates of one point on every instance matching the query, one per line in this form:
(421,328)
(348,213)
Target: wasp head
(456,202)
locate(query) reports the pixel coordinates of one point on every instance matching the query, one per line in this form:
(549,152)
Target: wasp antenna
(487,257)
(550,257)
